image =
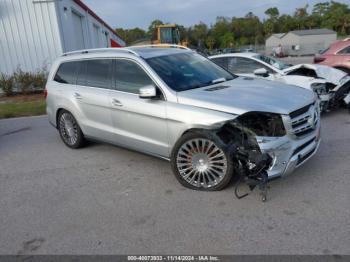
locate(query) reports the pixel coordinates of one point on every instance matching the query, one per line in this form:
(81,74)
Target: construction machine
(164,34)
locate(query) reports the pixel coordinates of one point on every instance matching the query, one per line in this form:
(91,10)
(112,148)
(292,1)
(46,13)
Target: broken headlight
(319,88)
(263,124)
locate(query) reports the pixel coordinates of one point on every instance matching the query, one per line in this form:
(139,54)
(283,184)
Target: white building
(34,32)
(301,42)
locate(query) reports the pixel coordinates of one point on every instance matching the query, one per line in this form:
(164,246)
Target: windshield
(278,64)
(187,71)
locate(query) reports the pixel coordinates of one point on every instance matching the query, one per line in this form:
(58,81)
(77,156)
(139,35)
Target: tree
(301,16)
(153,25)
(236,31)
(198,34)
(227,40)
(210,42)
(131,35)
(273,13)
(271,24)
(220,28)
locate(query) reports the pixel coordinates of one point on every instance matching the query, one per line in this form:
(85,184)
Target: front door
(139,123)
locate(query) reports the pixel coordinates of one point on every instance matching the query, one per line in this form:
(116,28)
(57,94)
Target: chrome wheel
(201,163)
(69,129)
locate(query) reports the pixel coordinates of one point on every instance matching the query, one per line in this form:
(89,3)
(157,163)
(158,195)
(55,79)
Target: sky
(140,13)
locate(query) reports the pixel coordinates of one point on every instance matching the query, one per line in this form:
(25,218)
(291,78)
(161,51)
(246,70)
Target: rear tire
(69,130)
(202,162)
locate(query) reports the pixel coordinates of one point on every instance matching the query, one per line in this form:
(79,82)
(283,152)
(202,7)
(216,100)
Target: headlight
(263,124)
(319,88)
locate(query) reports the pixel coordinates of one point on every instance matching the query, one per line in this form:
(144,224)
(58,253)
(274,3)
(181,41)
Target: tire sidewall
(80,138)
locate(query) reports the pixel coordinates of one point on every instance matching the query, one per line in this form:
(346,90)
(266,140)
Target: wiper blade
(219,80)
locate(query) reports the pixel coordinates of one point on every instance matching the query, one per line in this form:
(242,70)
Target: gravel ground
(106,200)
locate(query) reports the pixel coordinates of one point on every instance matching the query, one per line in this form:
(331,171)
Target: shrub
(23,80)
(7,84)
(39,80)
(28,82)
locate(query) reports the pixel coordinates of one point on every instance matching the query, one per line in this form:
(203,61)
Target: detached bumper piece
(252,168)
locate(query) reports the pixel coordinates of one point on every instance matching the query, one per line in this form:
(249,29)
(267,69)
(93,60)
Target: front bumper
(288,152)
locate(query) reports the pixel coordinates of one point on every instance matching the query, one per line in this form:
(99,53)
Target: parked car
(177,105)
(331,85)
(337,56)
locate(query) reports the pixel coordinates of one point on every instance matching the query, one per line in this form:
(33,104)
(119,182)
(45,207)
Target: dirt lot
(107,200)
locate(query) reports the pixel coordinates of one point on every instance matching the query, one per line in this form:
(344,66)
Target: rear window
(95,73)
(66,73)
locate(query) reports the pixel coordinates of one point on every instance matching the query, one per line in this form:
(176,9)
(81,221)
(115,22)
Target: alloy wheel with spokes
(202,164)
(69,130)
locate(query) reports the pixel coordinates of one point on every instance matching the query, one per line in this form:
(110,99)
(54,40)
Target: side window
(221,61)
(345,51)
(242,65)
(66,73)
(81,75)
(95,73)
(130,77)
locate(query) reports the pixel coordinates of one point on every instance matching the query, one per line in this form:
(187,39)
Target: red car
(337,55)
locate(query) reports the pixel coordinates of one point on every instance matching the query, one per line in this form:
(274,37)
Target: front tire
(201,162)
(69,130)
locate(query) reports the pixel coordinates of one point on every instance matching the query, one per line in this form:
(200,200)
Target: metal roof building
(34,32)
(302,42)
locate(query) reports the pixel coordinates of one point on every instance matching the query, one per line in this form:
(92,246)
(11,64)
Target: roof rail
(100,50)
(162,45)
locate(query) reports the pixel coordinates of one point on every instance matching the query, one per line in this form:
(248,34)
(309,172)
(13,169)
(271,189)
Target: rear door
(94,83)
(139,123)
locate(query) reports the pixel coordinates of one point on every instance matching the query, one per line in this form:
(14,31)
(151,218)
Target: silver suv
(173,103)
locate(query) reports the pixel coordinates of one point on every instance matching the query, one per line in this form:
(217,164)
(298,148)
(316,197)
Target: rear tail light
(318,59)
(45,93)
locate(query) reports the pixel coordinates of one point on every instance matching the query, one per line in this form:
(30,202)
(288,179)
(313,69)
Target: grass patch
(31,105)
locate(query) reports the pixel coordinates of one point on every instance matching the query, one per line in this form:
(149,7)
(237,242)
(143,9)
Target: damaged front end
(341,94)
(241,137)
(333,96)
(265,146)
(331,85)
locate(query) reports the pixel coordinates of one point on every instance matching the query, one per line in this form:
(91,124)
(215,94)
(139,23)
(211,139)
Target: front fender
(182,118)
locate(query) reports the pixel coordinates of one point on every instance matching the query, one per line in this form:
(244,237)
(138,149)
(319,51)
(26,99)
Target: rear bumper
(288,154)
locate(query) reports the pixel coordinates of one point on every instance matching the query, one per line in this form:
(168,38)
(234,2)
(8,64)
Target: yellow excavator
(164,34)
(167,34)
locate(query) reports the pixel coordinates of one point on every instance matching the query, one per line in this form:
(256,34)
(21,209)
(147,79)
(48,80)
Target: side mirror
(148,92)
(261,72)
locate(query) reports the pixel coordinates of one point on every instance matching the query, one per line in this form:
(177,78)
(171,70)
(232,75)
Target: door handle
(78,96)
(116,102)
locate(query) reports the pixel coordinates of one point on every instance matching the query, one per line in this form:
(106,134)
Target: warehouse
(34,32)
(301,42)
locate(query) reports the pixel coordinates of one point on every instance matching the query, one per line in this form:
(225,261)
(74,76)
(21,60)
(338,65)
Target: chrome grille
(304,120)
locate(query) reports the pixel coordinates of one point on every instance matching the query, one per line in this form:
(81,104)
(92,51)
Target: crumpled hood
(330,74)
(245,94)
